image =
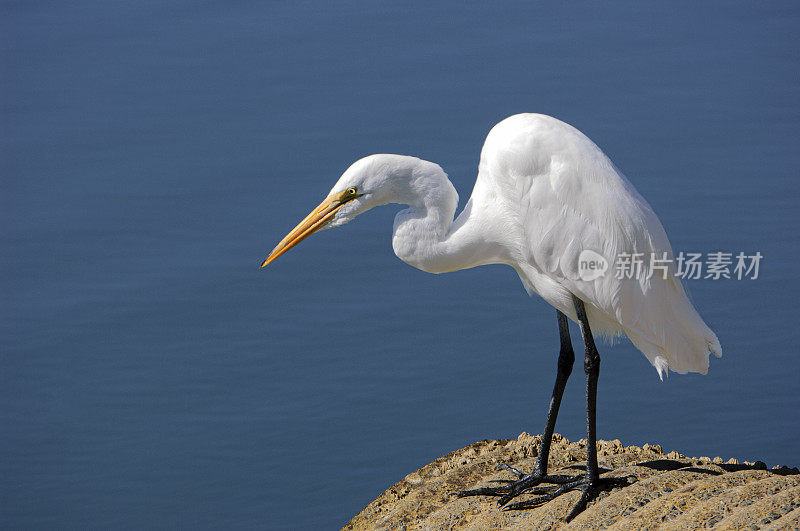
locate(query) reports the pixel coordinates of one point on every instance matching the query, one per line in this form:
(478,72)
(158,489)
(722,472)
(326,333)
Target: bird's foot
(559,484)
(512,489)
(590,488)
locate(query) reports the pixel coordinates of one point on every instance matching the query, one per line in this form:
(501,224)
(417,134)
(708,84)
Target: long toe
(526,483)
(483,491)
(516,472)
(589,488)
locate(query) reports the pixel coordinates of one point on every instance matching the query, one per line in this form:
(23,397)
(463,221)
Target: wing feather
(567,197)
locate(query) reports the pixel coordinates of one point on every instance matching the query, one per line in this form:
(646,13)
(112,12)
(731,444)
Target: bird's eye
(352,190)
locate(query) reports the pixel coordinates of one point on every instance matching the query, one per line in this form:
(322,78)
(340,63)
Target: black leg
(566,359)
(591,366)
(590,484)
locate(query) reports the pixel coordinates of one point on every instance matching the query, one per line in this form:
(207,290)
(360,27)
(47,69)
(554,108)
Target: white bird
(544,195)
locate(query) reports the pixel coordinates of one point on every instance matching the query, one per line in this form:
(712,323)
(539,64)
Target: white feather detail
(545,193)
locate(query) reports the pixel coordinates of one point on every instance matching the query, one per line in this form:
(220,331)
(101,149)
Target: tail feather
(683,344)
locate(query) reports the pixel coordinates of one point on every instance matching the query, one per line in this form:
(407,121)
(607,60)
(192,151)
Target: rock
(665,491)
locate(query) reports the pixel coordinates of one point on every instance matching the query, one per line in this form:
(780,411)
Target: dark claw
(559,479)
(503,466)
(523,485)
(483,491)
(526,484)
(560,484)
(513,488)
(533,490)
(581,504)
(535,502)
(589,491)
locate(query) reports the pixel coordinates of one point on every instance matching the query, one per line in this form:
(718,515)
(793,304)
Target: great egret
(545,196)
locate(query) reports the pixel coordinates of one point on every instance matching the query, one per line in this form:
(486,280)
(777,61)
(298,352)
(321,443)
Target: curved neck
(425,234)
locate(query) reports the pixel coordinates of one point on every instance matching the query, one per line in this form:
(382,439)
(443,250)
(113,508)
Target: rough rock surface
(665,491)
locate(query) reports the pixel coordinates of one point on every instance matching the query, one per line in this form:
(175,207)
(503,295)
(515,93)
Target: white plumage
(544,193)
(563,196)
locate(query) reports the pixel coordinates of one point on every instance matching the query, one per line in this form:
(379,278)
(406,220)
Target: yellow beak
(318,218)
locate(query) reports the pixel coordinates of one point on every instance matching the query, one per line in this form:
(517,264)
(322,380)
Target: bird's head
(369,182)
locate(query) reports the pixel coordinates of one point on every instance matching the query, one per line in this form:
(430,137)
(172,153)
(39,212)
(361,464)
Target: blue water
(153,153)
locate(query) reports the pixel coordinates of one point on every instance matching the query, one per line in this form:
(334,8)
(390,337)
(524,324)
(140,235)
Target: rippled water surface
(153,152)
